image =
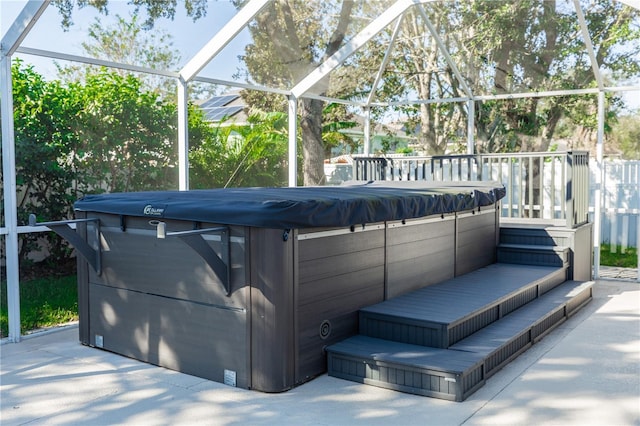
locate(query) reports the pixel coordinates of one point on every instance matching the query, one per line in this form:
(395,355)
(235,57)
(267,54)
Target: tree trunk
(312,147)
(311,115)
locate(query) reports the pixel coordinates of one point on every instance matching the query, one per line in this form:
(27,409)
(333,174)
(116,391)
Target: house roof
(218,108)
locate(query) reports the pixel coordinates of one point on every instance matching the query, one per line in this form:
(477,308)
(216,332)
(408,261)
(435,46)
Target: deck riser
(534,237)
(534,256)
(552,282)
(408,379)
(401,330)
(577,302)
(475,323)
(519,344)
(522,298)
(546,325)
(509,351)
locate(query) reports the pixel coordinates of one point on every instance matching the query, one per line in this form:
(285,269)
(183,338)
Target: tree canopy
(127,42)
(154,8)
(442,50)
(230,155)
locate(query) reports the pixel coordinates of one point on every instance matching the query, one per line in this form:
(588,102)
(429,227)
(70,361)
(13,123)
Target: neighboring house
(385,138)
(228,108)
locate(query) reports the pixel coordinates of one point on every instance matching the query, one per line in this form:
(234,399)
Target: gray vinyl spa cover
(301,207)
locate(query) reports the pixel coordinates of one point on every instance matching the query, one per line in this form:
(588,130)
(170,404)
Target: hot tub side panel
(135,259)
(176,334)
(477,235)
(83,284)
(272,310)
(339,271)
(420,252)
(160,302)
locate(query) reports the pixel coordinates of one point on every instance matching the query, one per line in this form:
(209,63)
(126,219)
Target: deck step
(504,340)
(520,233)
(457,372)
(442,314)
(438,373)
(526,254)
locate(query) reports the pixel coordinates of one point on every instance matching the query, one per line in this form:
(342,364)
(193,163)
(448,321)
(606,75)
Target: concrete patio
(587,371)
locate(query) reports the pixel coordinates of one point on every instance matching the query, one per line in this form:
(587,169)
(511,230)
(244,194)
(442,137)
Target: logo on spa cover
(149,210)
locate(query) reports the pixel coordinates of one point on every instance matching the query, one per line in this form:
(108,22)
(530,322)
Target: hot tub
(248,286)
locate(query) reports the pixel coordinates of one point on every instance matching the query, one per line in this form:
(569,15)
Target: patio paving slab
(587,371)
(617,273)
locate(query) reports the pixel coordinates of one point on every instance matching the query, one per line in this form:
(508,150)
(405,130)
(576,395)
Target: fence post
(577,189)
(569,194)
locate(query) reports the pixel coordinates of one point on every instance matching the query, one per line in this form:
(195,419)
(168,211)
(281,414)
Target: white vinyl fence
(620,203)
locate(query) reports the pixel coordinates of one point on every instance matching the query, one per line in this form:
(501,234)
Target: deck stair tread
(453,300)
(447,360)
(496,334)
(419,370)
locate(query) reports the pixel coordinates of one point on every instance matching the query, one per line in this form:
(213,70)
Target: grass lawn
(44,302)
(629,259)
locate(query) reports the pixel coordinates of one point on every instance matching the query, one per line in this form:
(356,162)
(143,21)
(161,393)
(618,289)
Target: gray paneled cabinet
(292,292)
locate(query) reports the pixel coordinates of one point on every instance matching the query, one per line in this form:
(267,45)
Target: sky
(188,37)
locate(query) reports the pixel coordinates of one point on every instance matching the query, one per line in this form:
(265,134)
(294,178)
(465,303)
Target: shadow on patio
(585,372)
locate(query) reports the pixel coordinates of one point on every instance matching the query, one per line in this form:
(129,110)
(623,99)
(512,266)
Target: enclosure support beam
(374,86)
(183,136)
(10,42)
(385,60)
(597,214)
(367,130)
(22,25)
(241,85)
(222,38)
(293,141)
(93,61)
(471,125)
(445,52)
(10,199)
(352,46)
(588,44)
(545,94)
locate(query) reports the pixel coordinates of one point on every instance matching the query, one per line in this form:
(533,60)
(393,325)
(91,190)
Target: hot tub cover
(301,207)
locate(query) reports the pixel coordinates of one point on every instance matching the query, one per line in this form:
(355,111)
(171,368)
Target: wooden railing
(540,185)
